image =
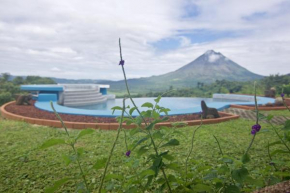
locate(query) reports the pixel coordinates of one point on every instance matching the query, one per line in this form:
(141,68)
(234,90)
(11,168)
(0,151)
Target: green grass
(277,113)
(25,168)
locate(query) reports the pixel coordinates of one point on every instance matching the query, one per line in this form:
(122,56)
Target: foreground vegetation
(27,168)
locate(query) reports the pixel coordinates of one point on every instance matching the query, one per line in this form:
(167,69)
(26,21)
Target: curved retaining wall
(261,108)
(104,126)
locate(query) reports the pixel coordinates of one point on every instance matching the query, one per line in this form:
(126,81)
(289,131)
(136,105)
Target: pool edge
(102,126)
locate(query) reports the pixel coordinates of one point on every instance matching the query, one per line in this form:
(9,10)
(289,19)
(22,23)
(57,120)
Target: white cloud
(55,69)
(81,38)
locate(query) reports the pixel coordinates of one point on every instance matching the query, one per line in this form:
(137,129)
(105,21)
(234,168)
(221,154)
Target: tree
(5,77)
(18,80)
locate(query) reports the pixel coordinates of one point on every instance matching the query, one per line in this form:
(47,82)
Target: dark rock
(208,111)
(270,93)
(23,99)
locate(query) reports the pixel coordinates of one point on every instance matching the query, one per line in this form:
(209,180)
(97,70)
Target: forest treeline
(10,87)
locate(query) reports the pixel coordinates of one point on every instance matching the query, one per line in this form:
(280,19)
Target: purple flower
(272,163)
(256,127)
(128,153)
(122,62)
(282,95)
(253,132)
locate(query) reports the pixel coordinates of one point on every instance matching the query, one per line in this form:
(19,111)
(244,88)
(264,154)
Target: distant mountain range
(207,68)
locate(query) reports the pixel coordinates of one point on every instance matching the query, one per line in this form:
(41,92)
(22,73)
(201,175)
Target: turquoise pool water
(173,103)
(177,106)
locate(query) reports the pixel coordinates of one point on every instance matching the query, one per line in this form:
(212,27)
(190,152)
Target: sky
(79,39)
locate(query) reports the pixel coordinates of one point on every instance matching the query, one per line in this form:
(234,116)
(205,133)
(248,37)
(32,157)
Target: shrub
(5,97)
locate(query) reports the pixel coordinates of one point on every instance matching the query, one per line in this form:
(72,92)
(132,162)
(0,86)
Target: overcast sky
(79,39)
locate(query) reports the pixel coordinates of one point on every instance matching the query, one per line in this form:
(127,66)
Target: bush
(286,89)
(5,97)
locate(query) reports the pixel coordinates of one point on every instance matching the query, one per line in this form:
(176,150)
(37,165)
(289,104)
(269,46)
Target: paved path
(249,114)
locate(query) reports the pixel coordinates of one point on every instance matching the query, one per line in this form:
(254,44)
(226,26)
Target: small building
(70,94)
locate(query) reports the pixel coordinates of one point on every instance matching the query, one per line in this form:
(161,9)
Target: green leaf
(274,143)
(172,142)
(287,125)
(246,158)
(202,188)
(114,176)
(149,127)
(164,110)
(80,151)
(282,174)
(173,166)
(163,153)
(147,104)
(240,174)
(142,150)
(52,142)
(279,151)
(132,110)
(287,135)
(168,157)
(155,115)
(157,99)
(157,162)
(101,163)
(210,176)
(139,142)
(228,160)
(147,173)
(132,132)
(68,159)
(84,132)
(56,185)
(269,117)
(232,189)
(171,178)
(157,135)
(116,108)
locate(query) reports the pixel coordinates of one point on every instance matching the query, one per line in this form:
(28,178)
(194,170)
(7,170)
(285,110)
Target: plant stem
(127,87)
(153,143)
(218,145)
(257,119)
(72,145)
(113,147)
(190,151)
(281,139)
(268,148)
(251,143)
(80,167)
(285,104)
(59,118)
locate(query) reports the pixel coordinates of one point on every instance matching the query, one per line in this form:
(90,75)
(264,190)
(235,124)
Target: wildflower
(122,62)
(253,132)
(255,128)
(272,163)
(282,95)
(128,153)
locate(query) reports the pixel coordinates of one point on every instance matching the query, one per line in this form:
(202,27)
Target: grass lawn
(25,168)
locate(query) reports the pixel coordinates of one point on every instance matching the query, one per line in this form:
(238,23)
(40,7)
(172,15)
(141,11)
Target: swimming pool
(173,103)
(177,106)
